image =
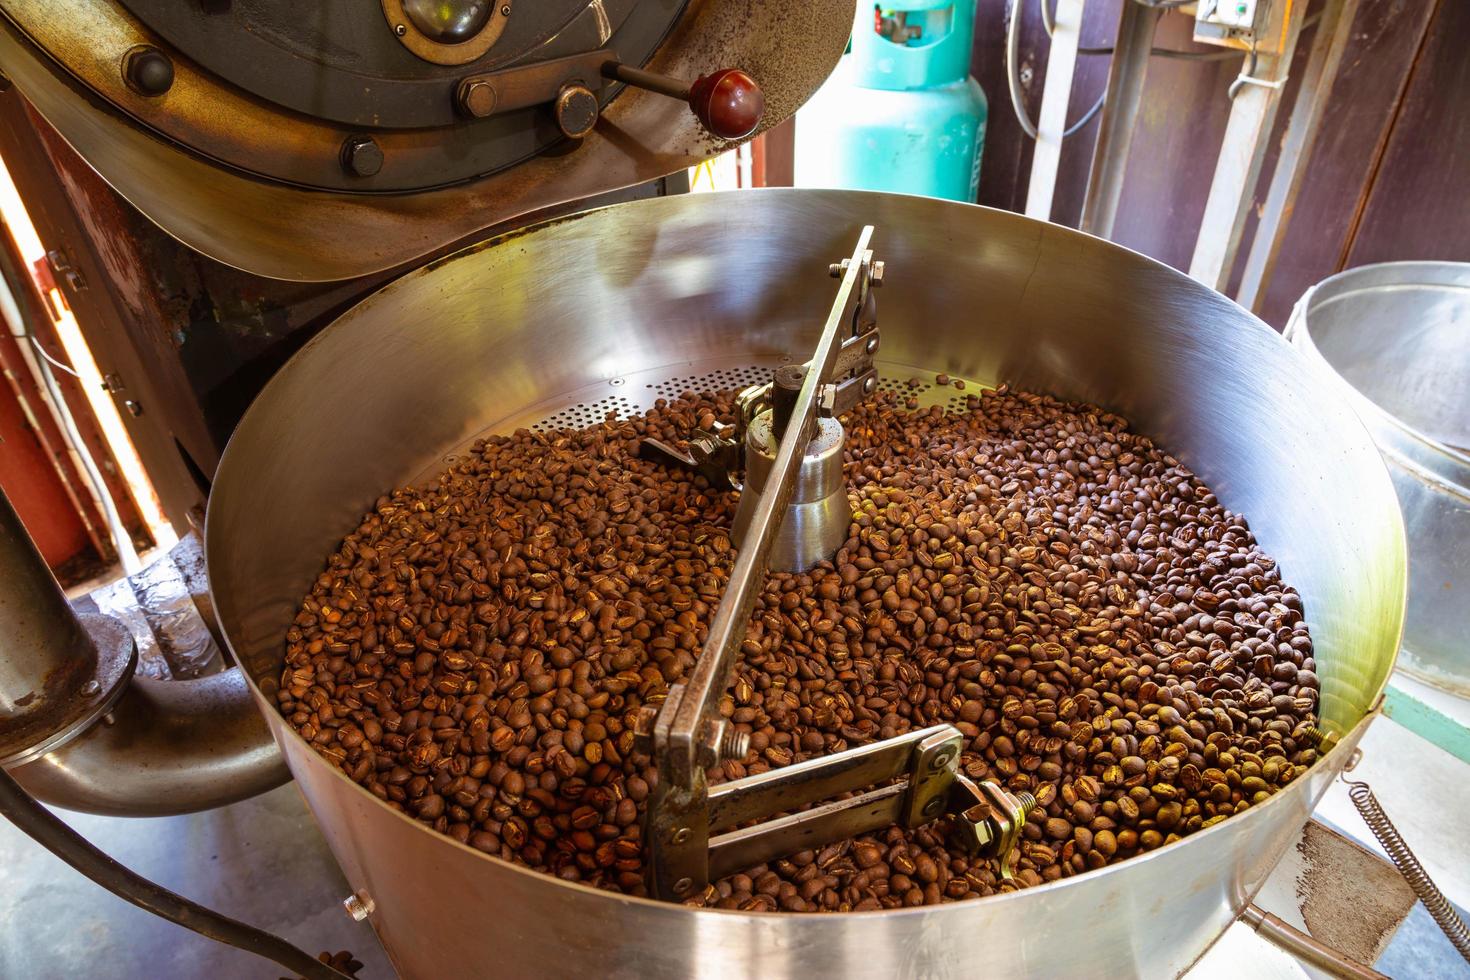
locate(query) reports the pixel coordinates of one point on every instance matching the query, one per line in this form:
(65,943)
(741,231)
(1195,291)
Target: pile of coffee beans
(1104,633)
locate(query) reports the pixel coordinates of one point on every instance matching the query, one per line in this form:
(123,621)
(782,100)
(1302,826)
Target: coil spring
(1398,851)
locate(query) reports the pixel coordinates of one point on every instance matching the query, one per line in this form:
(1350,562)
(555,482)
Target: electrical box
(1258,25)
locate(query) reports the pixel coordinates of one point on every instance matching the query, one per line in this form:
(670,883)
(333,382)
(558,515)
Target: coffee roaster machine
(313,142)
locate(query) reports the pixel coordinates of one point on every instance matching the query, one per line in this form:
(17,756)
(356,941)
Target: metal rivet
(682,886)
(505,11)
(361,155)
(90,688)
(872,347)
(400,29)
(932,808)
(359,905)
(941,759)
(681,835)
(869,385)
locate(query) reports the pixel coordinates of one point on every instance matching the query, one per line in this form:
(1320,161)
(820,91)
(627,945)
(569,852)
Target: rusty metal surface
(301,144)
(288,233)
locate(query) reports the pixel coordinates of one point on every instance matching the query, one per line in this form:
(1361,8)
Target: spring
(1409,866)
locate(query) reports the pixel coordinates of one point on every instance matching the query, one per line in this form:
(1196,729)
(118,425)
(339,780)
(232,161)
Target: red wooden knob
(728,102)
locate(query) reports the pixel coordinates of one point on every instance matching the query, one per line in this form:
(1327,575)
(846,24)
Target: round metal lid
(336,139)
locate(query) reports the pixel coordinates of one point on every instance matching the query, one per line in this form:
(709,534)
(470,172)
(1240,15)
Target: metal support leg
(1060,65)
(1126,76)
(1333,32)
(1238,166)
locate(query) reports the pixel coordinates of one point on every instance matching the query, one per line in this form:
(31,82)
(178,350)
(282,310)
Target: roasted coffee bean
(1103,633)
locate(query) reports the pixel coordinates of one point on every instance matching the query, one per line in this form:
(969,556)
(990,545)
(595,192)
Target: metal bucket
(1396,336)
(612,309)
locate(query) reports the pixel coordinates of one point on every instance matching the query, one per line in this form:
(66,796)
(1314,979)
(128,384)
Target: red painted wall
(34,489)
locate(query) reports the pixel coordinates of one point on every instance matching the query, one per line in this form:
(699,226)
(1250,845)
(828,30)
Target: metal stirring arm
(910,780)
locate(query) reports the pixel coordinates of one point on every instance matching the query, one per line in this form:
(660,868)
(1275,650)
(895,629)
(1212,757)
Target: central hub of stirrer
(815,522)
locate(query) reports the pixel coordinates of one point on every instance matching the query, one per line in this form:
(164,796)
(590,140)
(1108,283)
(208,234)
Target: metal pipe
(167,747)
(1290,939)
(82,733)
(652,81)
(37,823)
(1126,76)
(46,658)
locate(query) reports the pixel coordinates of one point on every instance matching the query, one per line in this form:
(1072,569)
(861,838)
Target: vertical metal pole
(43,648)
(1060,65)
(1126,76)
(1238,166)
(1331,40)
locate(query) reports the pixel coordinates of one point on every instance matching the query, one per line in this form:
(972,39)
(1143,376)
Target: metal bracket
(909,780)
(678,824)
(988,820)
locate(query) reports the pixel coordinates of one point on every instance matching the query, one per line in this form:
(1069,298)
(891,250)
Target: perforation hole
(583,414)
(721,380)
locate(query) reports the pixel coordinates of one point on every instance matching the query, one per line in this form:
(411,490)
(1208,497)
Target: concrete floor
(263,861)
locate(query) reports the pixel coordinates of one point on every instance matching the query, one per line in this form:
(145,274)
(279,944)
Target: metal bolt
(359,905)
(941,758)
(362,156)
(476,98)
(838,269)
(148,71)
(681,835)
(135,408)
(877,278)
(682,886)
(91,687)
(734,744)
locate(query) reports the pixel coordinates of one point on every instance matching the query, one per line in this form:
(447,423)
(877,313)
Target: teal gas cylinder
(901,112)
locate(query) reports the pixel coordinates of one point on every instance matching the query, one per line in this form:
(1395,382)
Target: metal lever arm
(687,733)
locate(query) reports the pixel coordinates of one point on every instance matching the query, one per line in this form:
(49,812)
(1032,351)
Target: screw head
(362,156)
(476,98)
(681,835)
(148,71)
(682,886)
(400,29)
(505,10)
(359,905)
